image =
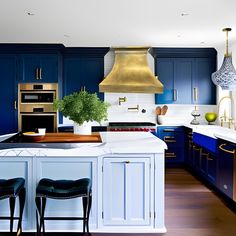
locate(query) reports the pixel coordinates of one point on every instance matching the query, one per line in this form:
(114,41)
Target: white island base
(127,172)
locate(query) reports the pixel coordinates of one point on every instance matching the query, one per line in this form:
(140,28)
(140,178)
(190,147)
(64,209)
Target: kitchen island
(127,172)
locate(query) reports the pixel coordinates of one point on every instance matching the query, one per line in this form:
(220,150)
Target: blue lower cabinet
(196,157)
(173,136)
(226,168)
(8,98)
(212,168)
(174,155)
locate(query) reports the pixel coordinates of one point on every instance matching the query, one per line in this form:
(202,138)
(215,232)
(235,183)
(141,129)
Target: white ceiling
(118,22)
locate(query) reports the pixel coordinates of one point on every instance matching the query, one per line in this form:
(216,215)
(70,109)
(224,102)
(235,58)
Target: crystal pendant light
(225,77)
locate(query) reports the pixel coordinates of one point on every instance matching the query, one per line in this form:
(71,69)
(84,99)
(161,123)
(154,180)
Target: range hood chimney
(131,73)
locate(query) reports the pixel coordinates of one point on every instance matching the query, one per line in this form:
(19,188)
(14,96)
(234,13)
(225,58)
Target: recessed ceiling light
(30,14)
(184,14)
(178,36)
(66,35)
(202,42)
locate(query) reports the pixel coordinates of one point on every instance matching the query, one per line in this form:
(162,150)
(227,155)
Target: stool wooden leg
(38,214)
(12,201)
(21,204)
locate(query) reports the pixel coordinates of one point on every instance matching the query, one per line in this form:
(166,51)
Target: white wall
(176,114)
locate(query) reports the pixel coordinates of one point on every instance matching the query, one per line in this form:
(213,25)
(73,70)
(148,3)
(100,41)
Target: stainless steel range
(131,126)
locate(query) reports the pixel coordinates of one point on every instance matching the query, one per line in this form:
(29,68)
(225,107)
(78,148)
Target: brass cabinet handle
(195,94)
(168,130)
(40,73)
(210,159)
(196,148)
(169,139)
(205,154)
(175,94)
(37,73)
(15,104)
(170,154)
(225,150)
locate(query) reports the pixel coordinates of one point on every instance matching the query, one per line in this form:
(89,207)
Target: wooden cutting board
(70,138)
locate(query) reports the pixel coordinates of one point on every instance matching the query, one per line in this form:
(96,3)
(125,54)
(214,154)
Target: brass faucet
(122,99)
(225,119)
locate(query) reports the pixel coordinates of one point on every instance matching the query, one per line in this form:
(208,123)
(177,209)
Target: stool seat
(63,188)
(11,187)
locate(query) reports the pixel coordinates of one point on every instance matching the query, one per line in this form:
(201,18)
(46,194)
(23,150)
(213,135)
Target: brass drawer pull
(196,148)
(168,130)
(169,139)
(205,154)
(210,159)
(225,150)
(170,155)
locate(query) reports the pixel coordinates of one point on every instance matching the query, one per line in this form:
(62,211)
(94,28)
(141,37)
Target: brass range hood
(131,73)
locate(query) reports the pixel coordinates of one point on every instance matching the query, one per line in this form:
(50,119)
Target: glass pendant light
(225,77)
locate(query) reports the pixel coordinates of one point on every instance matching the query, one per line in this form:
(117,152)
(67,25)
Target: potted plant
(82,108)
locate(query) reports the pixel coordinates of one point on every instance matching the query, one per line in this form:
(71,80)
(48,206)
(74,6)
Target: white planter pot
(84,129)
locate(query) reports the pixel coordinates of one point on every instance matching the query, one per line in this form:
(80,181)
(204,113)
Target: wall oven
(36,107)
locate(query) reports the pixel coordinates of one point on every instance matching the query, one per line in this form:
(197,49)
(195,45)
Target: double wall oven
(36,107)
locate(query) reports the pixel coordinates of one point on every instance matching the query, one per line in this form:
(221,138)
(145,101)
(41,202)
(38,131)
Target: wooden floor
(191,209)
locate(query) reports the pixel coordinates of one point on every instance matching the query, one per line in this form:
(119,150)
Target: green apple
(210,116)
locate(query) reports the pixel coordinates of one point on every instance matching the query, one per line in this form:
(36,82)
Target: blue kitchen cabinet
(173,136)
(80,73)
(176,75)
(203,89)
(83,69)
(186,75)
(205,152)
(39,68)
(226,168)
(8,97)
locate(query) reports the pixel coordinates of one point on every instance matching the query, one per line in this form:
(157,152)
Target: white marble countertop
(112,143)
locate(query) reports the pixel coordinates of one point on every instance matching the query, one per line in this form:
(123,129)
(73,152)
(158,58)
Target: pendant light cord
(227,40)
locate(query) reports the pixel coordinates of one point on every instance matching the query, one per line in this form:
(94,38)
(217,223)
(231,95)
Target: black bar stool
(63,189)
(12,188)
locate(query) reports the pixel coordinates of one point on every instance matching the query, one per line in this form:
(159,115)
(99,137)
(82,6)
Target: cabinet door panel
(82,72)
(183,80)
(28,65)
(165,73)
(8,121)
(203,69)
(49,67)
(126,193)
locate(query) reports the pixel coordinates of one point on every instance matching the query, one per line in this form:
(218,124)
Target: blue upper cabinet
(83,68)
(204,91)
(186,75)
(176,75)
(39,68)
(8,96)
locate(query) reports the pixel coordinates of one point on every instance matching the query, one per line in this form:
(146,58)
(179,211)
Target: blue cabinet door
(176,76)
(225,174)
(38,68)
(82,73)
(202,83)
(182,80)
(8,112)
(165,72)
